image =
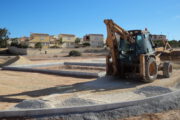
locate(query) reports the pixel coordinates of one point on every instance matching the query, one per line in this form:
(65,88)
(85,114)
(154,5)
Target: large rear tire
(167,69)
(151,70)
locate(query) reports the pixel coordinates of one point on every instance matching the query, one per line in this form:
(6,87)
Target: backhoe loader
(132,54)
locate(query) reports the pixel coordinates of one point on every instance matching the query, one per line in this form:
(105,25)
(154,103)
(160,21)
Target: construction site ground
(168,115)
(59,91)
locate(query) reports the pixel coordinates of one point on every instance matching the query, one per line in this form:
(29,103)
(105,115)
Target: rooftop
(69,35)
(39,34)
(96,34)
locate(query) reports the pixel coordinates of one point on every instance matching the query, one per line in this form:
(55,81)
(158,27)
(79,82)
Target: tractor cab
(142,45)
(143,42)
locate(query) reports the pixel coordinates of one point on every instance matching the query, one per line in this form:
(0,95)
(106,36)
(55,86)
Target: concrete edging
(30,68)
(55,72)
(85,64)
(84,109)
(36,65)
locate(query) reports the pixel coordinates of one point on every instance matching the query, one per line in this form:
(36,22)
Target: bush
(77,41)
(38,45)
(54,46)
(173,43)
(22,46)
(86,44)
(15,44)
(74,53)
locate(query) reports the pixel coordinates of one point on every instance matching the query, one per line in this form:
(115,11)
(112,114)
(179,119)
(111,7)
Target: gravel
(32,104)
(169,102)
(71,102)
(177,85)
(152,91)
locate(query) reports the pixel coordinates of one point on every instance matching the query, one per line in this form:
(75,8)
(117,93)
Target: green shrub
(54,46)
(86,44)
(173,43)
(38,45)
(14,44)
(74,53)
(22,46)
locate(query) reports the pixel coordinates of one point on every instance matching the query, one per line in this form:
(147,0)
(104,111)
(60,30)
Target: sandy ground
(168,115)
(17,86)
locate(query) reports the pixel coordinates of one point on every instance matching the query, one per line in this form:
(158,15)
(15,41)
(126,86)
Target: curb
(85,109)
(85,64)
(36,65)
(30,68)
(57,72)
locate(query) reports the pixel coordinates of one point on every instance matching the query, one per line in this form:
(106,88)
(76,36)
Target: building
(53,41)
(158,37)
(68,40)
(95,40)
(24,40)
(42,38)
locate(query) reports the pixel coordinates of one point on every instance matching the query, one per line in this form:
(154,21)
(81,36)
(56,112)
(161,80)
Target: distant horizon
(78,36)
(83,17)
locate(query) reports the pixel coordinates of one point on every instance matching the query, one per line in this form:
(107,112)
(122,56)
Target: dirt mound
(21,61)
(10,61)
(18,60)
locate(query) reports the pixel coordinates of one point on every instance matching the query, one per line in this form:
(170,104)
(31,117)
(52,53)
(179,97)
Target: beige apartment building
(68,40)
(44,39)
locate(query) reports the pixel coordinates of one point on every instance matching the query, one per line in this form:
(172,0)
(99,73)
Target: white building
(158,37)
(95,40)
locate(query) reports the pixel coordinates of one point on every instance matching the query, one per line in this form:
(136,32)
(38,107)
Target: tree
(38,45)
(174,43)
(159,43)
(4,36)
(77,40)
(14,42)
(60,41)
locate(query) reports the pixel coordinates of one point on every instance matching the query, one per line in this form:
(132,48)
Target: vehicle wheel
(167,69)
(151,70)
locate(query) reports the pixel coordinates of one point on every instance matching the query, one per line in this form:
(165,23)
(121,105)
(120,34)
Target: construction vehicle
(132,54)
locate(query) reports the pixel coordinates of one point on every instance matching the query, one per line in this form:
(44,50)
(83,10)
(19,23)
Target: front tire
(151,70)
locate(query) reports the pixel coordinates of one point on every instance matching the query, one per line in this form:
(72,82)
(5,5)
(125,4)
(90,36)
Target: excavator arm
(112,58)
(166,48)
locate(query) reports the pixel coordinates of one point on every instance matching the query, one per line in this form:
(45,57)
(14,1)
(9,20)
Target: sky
(80,17)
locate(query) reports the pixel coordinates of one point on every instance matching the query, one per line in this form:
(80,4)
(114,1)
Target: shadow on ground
(100,84)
